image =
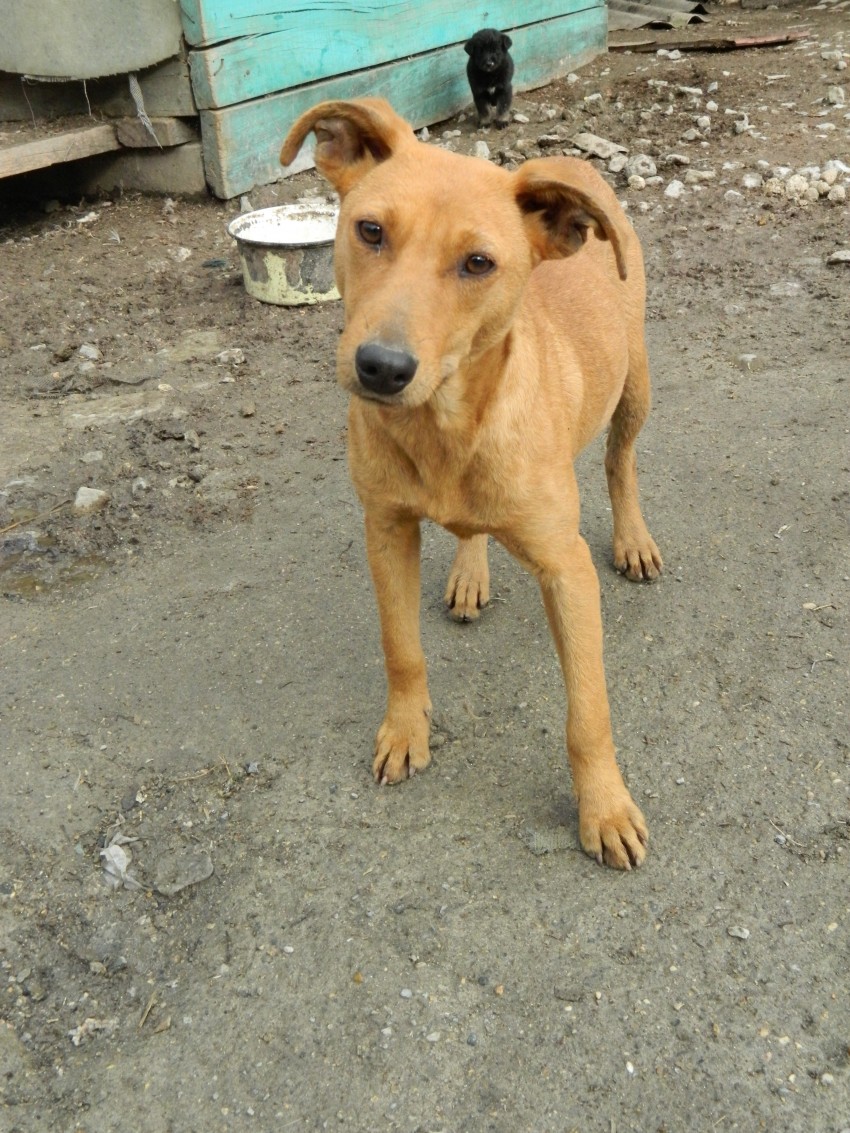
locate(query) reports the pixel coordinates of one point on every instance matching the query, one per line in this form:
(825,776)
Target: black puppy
(490,70)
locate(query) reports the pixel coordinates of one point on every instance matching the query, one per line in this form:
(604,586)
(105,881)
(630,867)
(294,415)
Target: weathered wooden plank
(133,132)
(305,48)
(242,143)
(343,21)
(166,92)
(57,148)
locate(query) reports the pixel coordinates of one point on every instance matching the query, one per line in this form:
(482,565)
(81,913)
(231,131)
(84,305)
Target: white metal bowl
(287,252)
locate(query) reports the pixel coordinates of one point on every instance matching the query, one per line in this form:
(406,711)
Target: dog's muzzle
(384,370)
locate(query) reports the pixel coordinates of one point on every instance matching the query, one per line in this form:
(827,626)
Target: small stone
(93,457)
(406,993)
(617,163)
(89,351)
(175,872)
(738,933)
(424,134)
(733,197)
(247,409)
(835,96)
(827,1080)
(481,149)
(774,187)
(434,1037)
(691,135)
(837,194)
(712,106)
(842,256)
(140,486)
(640,165)
(698,176)
(752,181)
(675,190)
(90,499)
(197,472)
(704,124)
(637,182)
(796,185)
(472,1039)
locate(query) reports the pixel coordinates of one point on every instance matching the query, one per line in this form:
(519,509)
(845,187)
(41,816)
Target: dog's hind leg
(635,552)
(468,588)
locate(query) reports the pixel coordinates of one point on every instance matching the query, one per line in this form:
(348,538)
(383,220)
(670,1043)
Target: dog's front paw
(401,747)
(638,559)
(613,831)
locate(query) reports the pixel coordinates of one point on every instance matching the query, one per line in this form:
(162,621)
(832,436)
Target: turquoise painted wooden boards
(302,44)
(388,21)
(243,131)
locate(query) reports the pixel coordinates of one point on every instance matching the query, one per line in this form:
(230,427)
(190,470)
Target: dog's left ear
(506,42)
(561,199)
(468,47)
(351,138)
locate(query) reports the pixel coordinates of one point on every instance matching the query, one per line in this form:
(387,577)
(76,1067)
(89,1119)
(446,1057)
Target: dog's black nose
(383,369)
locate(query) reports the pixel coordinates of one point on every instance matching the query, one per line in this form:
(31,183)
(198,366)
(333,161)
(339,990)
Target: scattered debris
(91,1027)
(116,863)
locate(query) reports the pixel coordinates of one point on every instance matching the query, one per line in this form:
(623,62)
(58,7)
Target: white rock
(711,106)
(572,77)
(675,190)
(698,176)
(733,197)
(835,96)
(774,187)
(637,182)
(523,119)
(811,194)
(691,135)
(90,499)
(842,256)
(822,187)
(89,351)
(704,124)
(617,163)
(640,165)
(424,134)
(752,181)
(837,194)
(481,150)
(796,185)
(837,165)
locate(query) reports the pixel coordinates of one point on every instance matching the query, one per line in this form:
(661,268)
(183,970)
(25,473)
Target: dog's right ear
(351,138)
(468,47)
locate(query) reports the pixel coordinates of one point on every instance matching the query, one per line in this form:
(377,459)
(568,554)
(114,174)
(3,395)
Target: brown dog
(481,360)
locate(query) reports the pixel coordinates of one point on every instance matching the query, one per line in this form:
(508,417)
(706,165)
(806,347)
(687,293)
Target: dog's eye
(477,264)
(370,233)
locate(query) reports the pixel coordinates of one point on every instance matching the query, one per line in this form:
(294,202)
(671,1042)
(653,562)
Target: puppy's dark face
(487,49)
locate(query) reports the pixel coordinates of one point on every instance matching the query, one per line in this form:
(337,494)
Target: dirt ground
(192,677)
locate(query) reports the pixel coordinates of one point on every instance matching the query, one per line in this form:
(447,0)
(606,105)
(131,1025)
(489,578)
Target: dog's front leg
(401,747)
(611,827)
